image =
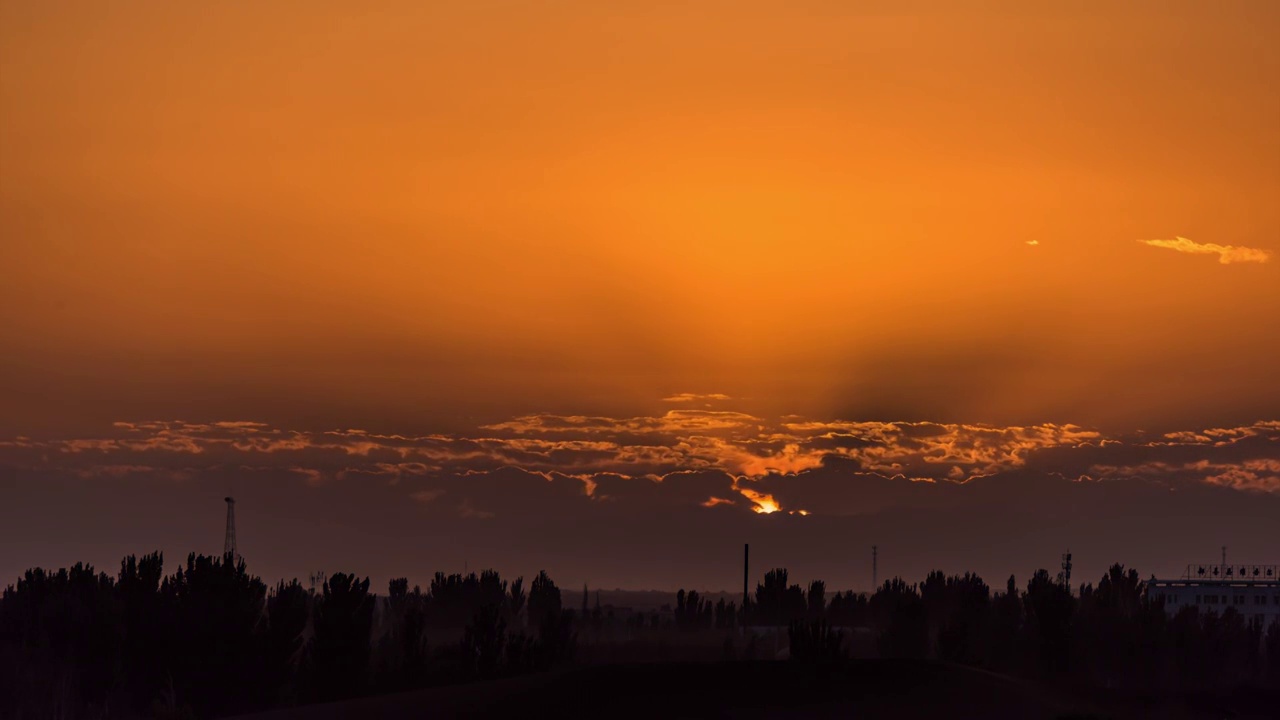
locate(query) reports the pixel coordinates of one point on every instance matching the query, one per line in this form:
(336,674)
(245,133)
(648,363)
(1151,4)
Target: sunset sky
(588,285)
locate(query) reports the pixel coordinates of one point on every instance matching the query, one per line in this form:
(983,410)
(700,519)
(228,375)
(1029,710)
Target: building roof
(1224,574)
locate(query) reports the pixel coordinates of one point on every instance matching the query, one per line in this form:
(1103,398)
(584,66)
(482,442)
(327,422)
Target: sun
(764,502)
(766,506)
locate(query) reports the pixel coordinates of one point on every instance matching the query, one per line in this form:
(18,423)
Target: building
(1252,590)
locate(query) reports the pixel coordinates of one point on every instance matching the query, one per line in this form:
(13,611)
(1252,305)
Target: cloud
(695,397)
(671,421)
(312,475)
(394,472)
(1227,254)
(465,510)
(1033,242)
(677,488)
(695,459)
(426,496)
(1259,475)
(764,503)
(749,461)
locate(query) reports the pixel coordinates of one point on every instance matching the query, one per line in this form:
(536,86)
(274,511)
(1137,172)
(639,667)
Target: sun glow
(764,502)
(766,506)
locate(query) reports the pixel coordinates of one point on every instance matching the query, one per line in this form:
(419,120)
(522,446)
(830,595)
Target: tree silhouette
(1272,649)
(556,642)
(454,599)
(341,649)
(1117,631)
(413,650)
(692,612)
(849,609)
(771,596)
(491,593)
(817,600)
(141,608)
(484,642)
(60,637)
(1006,627)
(544,600)
(957,609)
(516,598)
(726,615)
(218,610)
(1048,607)
(777,603)
(815,642)
(284,662)
(899,617)
(210,640)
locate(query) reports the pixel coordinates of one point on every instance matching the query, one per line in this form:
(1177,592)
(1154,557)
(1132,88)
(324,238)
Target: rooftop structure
(1252,590)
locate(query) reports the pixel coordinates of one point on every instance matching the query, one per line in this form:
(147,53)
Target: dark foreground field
(861,689)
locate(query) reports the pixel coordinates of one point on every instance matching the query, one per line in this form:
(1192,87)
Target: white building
(1253,590)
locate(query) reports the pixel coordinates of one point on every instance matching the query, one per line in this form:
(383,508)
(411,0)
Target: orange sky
(413,212)
(431,284)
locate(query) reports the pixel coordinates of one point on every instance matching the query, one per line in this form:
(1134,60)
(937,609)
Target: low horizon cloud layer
(605,455)
(1227,254)
(699,467)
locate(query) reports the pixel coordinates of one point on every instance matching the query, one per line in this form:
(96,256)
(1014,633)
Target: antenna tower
(229,545)
(1066,570)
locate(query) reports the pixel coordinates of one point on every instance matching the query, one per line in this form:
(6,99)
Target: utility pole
(875,571)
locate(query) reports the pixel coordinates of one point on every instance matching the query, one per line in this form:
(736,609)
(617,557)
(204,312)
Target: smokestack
(229,543)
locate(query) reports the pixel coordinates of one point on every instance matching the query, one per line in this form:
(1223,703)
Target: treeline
(212,639)
(1112,635)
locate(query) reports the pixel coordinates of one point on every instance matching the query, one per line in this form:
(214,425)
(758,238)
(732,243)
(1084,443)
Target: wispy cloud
(695,397)
(312,475)
(426,496)
(1227,254)
(1258,475)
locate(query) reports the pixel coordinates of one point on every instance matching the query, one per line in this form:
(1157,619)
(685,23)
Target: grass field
(860,689)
